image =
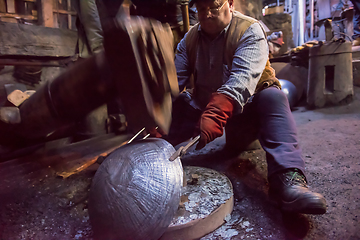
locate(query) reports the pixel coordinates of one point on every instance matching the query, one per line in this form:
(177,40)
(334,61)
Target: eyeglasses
(213,11)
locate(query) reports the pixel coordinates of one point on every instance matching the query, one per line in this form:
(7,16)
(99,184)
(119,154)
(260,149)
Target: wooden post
(11,6)
(2,6)
(47,17)
(69,14)
(185,16)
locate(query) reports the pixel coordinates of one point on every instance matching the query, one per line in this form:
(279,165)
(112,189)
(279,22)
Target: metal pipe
(185,16)
(290,6)
(295,24)
(311,3)
(302,20)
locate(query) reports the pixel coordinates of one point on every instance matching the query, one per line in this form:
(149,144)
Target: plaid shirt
(213,75)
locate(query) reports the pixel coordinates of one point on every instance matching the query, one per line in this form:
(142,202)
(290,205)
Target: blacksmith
(235,86)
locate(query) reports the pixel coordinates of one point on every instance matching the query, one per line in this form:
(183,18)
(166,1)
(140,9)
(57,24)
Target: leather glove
(213,119)
(156,132)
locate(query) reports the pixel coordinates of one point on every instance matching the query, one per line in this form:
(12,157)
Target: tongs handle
(182,150)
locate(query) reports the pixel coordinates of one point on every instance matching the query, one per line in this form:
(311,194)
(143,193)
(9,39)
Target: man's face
(214,15)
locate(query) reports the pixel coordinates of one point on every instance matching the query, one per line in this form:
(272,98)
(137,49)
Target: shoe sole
(315,207)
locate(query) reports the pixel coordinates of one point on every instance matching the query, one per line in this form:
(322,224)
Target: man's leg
(356,21)
(184,121)
(278,137)
(277,131)
(90,19)
(273,125)
(241,131)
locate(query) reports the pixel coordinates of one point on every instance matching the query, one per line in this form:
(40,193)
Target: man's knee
(272,96)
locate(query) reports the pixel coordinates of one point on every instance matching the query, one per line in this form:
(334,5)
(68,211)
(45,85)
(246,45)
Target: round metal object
(290,91)
(136,191)
(206,201)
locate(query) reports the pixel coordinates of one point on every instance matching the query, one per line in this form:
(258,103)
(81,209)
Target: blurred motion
(136,66)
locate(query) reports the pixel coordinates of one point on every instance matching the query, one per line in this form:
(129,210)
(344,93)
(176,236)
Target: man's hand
(213,119)
(156,132)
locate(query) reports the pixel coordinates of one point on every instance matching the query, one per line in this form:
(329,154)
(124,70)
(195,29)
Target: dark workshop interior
(88,90)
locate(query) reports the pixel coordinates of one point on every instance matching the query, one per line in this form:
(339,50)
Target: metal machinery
(136,66)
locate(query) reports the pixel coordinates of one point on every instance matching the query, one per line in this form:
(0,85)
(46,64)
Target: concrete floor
(36,204)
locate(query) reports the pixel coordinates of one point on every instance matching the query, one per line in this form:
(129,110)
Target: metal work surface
(206,203)
(206,190)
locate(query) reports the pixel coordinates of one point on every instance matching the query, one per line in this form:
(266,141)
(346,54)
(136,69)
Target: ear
(231,5)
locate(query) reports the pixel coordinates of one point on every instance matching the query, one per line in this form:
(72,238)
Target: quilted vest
(239,24)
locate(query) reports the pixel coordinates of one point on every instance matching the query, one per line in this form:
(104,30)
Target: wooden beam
(69,15)
(10,6)
(2,6)
(64,11)
(32,40)
(14,15)
(46,9)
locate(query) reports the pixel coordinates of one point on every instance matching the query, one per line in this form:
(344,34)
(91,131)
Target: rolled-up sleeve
(248,64)
(182,65)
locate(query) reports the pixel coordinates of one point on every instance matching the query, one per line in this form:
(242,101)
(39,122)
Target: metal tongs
(179,153)
(182,150)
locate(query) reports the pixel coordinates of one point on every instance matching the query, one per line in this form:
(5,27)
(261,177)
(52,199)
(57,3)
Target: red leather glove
(156,132)
(213,119)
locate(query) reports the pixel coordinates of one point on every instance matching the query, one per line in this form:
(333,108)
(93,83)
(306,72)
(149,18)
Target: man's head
(214,15)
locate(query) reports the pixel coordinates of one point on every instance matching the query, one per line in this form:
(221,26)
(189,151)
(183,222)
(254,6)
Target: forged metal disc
(136,191)
(206,203)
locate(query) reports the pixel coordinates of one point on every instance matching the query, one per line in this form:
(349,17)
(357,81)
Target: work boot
(290,191)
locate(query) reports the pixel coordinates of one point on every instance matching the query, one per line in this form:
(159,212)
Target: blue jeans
(356,19)
(266,117)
